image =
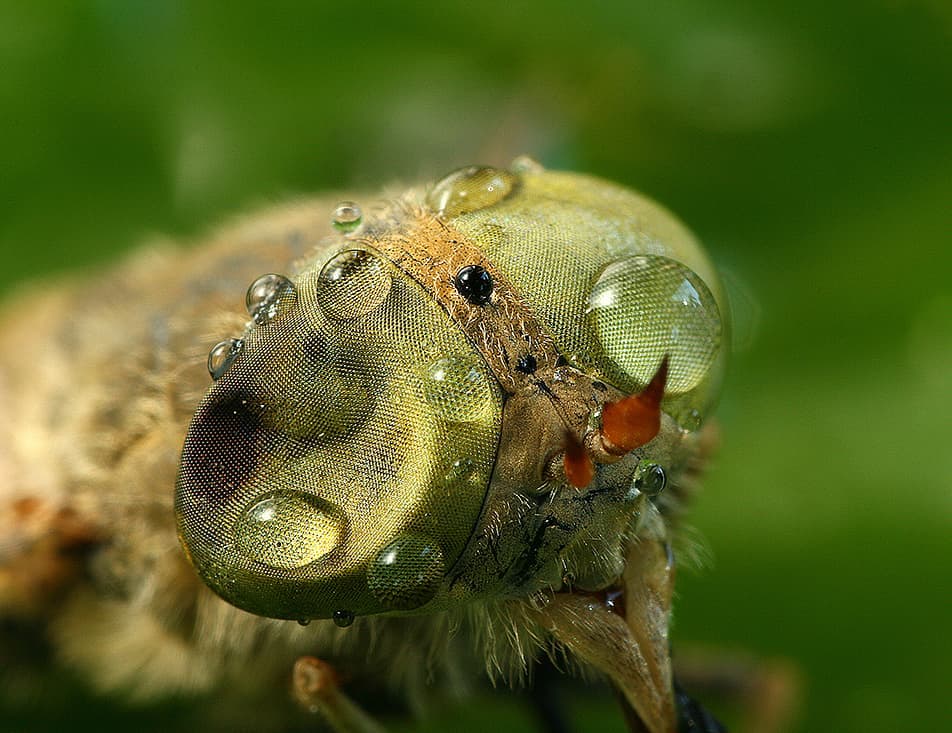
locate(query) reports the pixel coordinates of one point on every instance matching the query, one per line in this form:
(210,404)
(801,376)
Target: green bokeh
(807,143)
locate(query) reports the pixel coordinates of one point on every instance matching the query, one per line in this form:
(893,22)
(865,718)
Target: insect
(459,425)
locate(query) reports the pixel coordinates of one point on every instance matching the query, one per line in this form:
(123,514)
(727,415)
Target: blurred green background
(807,143)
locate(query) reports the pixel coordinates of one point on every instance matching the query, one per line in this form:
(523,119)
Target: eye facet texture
(358,418)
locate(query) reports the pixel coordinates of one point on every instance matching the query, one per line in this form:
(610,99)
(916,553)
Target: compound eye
(647,306)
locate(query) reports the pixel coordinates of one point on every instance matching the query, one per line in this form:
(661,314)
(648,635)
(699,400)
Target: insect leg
(316,688)
(631,647)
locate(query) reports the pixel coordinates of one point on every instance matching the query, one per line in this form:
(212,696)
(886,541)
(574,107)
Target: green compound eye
(647,306)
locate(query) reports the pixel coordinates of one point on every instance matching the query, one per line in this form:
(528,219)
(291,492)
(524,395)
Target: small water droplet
(690,420)
(343,618)
(406,573)
(647,306)
(352,284)
(304,622)
(526,164)
(222,355)
(269,296)
(289,529)
(347,217)
(649,478)
(457,389)
(470,189)
(460,471)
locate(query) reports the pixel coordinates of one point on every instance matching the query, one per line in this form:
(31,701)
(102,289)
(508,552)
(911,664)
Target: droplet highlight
(347,217)
(457,389)
(268,297)
(406,573)
(649,478)
(470,189)
(222,355)
(289,529)
(645,307)
(352,284)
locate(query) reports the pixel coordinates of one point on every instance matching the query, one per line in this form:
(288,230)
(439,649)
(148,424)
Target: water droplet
(526,164)
(222,355)
(269,296)
(460,471)
(470,189)
(304,622)
(649,478)
(646,306)
(289,529)
(406,573)
(343,618)
(352,284)
(457,389)
(347,217)
(690,419)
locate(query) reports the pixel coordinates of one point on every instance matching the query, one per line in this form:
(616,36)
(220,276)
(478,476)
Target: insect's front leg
(626,638)
(315,687)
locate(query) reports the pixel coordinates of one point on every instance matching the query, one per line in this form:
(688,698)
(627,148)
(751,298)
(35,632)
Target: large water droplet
(647,306)
(406,573)
(347,217)
(222,355)
(289,529)
(470,189)
(457,389)
(352,284)
(649,478)
(269,296)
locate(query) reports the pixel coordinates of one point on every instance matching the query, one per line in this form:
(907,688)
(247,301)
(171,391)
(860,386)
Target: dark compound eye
(474,284)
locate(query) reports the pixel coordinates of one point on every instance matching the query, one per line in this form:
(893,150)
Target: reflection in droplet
(289,529)
(649,478)
(645,307)
(222,355)
(470,189)
(457,389)
(268,296)
(352,284)
(406,573)
(347,217)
